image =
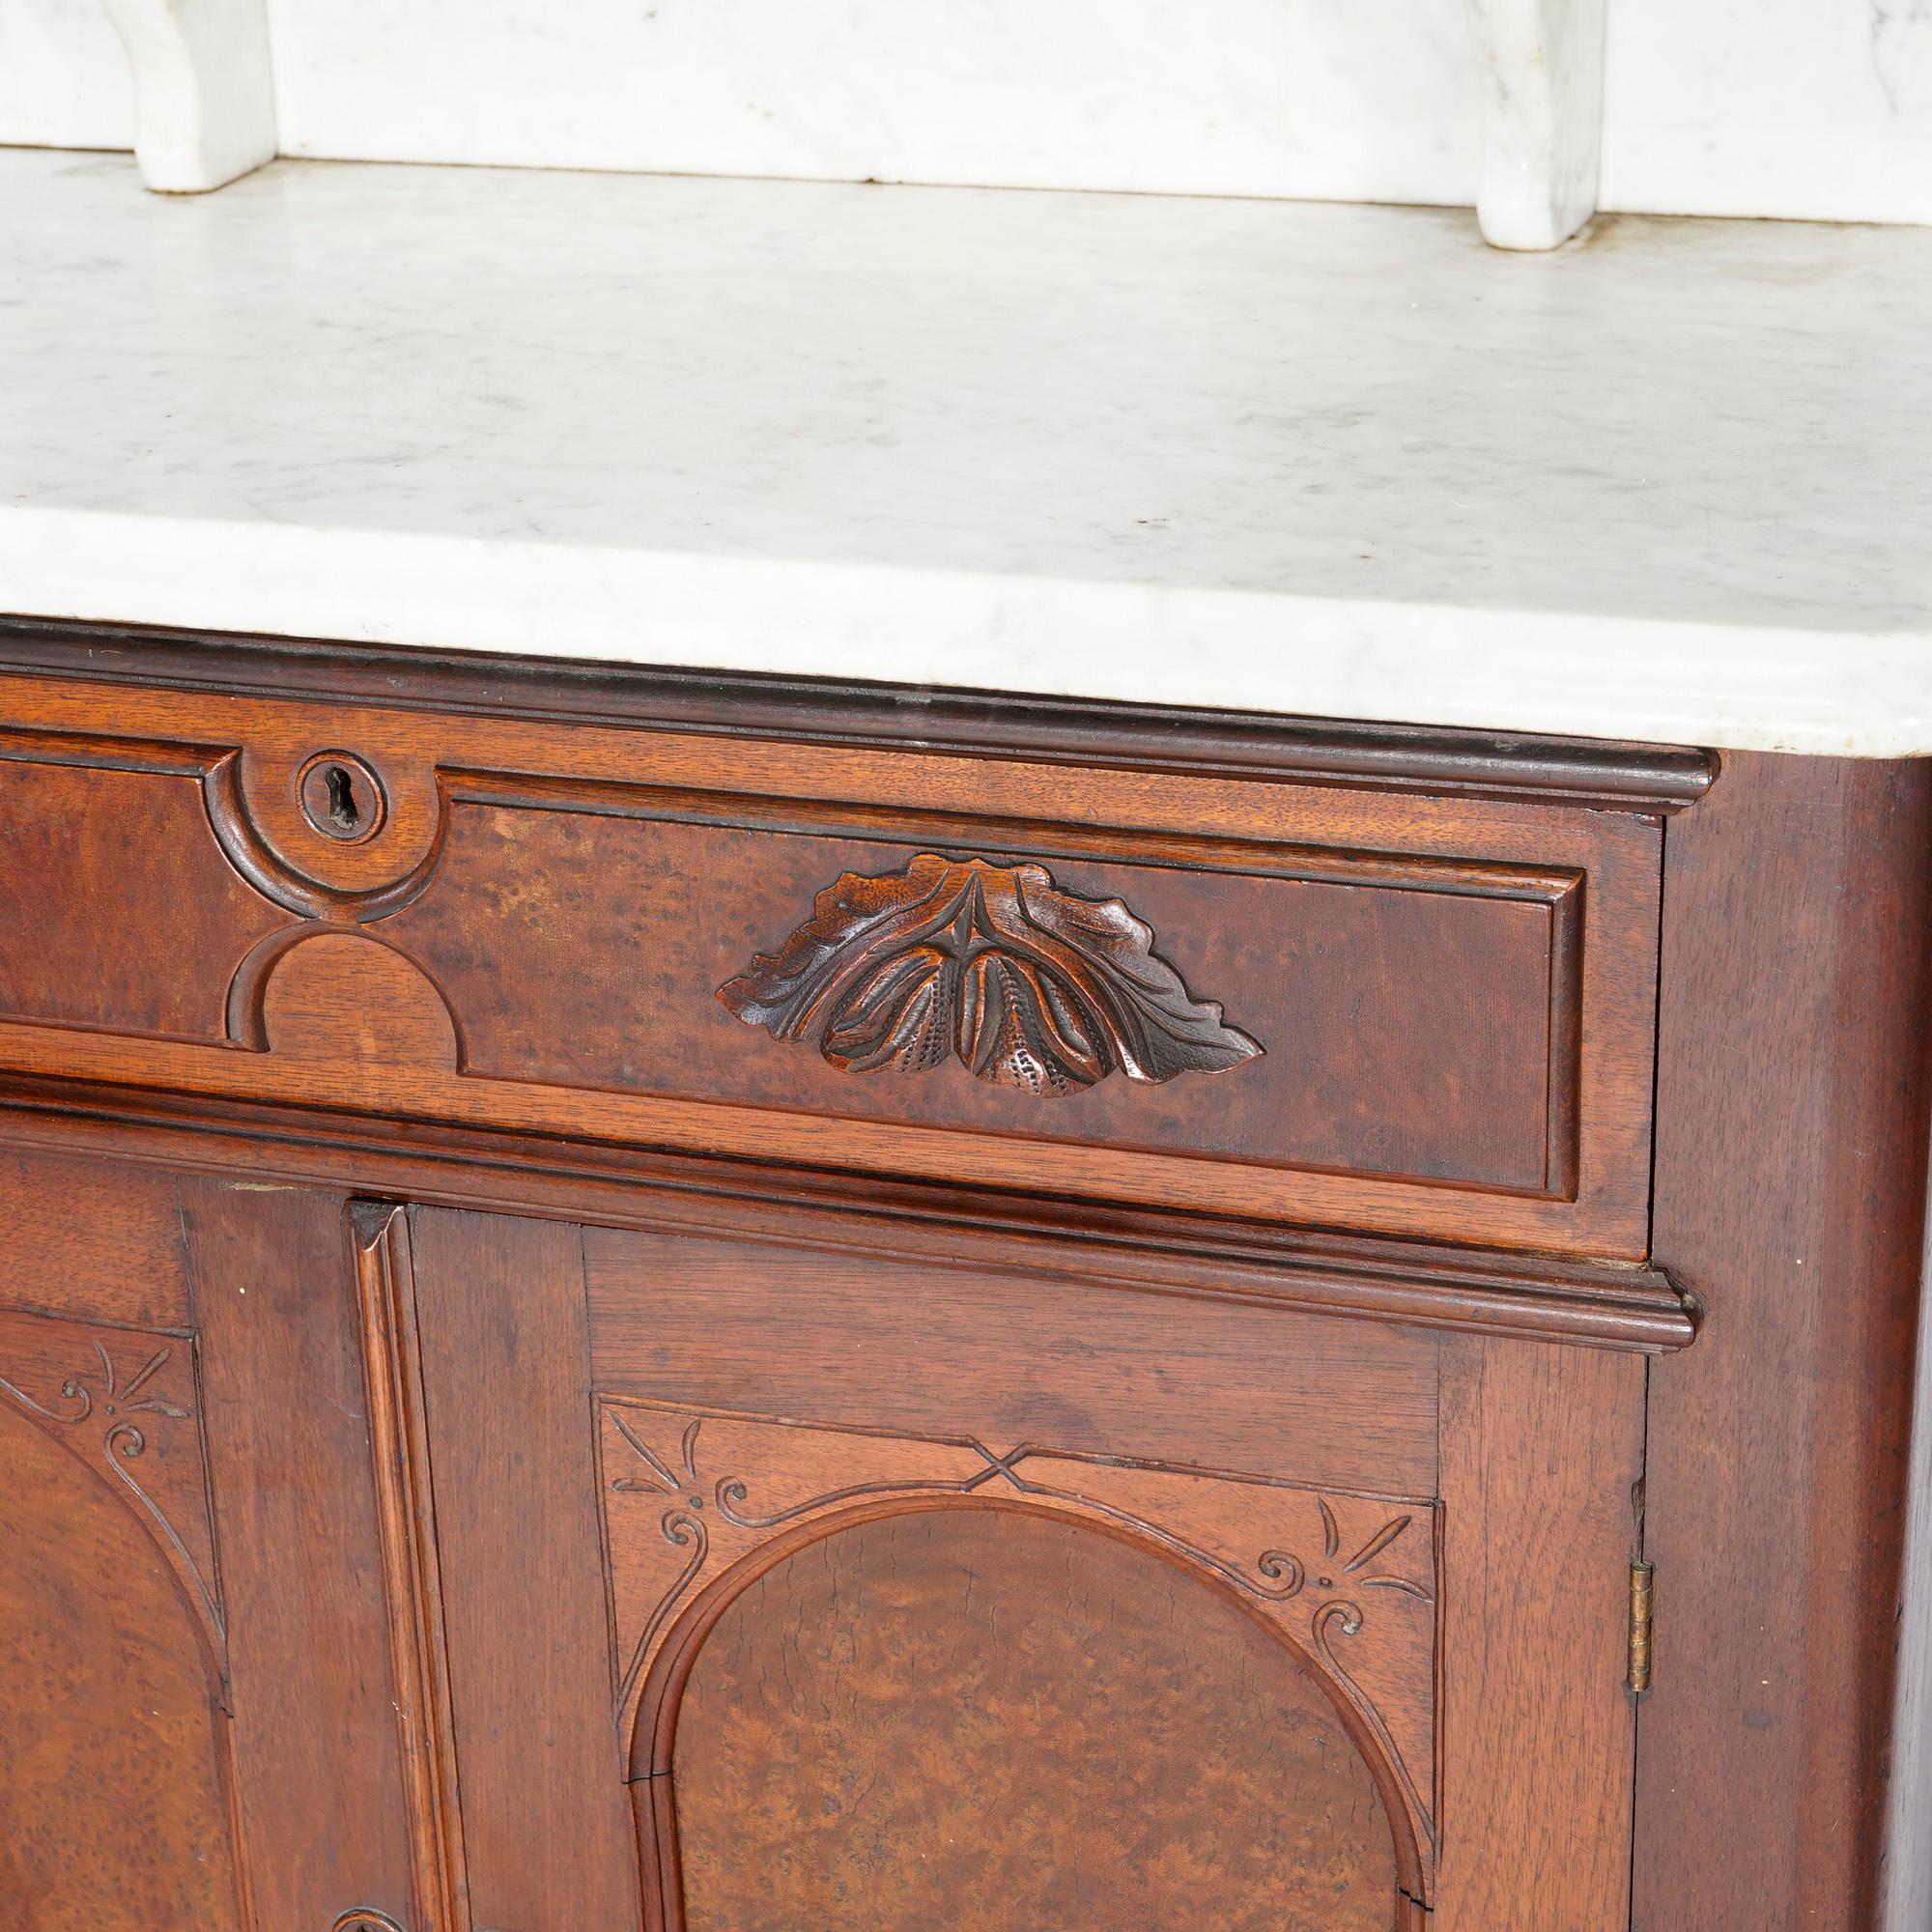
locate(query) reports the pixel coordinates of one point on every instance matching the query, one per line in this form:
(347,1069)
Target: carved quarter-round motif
(1028,985)
(326,832)
(341,796)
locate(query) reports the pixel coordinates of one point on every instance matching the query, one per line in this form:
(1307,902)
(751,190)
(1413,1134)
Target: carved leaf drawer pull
(1031,986)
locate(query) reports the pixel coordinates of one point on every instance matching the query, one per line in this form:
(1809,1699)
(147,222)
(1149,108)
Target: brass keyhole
(340,795)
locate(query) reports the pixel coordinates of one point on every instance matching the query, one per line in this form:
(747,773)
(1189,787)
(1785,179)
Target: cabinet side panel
(1541,1448)
(318,1760)
(1790,1188)
(506,1378)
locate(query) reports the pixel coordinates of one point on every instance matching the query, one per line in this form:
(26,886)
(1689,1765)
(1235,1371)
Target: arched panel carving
(267,807)
(123,1402)
(114,1807)
(702,1507)
(344,996)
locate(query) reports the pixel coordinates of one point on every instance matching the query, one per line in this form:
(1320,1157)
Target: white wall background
(1817,108)
(63,80)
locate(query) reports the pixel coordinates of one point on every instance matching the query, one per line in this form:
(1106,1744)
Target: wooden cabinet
(721,1309)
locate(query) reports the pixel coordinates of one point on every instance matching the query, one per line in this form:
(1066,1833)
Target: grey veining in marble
(1543,64)
(1672,482)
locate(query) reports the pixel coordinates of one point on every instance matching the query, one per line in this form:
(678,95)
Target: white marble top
(1671,483)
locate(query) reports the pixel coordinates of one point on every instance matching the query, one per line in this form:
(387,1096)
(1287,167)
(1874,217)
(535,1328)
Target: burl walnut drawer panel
(1331,1004)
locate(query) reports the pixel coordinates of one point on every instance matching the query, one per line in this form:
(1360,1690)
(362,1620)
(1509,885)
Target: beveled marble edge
(1745,687)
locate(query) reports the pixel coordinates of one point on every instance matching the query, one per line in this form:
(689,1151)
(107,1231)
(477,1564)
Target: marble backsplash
(1805,108)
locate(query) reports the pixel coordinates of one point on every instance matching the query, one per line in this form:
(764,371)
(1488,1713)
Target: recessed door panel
(999,1717)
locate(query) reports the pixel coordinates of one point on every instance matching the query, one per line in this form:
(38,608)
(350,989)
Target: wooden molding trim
(1605,773)
(1488,1291)
(412,1588)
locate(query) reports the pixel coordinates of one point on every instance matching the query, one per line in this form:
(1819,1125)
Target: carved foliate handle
(1029,985)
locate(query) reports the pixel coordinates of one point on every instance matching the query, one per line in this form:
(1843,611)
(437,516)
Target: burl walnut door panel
(990,1718)
(785,1587)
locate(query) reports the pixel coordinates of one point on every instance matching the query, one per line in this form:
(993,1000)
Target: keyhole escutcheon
(341,796)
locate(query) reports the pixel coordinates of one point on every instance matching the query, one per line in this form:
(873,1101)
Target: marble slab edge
(1747,687)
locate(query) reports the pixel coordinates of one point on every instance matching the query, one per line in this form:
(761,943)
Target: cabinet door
(198,1709)
(792,1587)
(115,1773)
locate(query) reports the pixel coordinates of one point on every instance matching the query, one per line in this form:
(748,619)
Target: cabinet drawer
(1088,972)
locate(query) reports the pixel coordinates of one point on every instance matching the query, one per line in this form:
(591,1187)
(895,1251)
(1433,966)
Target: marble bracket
(1543,75)
(206,106)
(204,94)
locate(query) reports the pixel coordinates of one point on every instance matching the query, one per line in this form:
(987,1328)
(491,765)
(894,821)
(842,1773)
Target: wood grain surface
(981,1717)
(394,1617)
(500,1307)
(952,1350)
(1792,1104)
(94,1241)
(127,1404)
(1453,994)
(698,1503)
(1603,774)
(99,863)
(114,1803)
(1217,1258)
(412,1569)
(1542,1450)
(319,1773)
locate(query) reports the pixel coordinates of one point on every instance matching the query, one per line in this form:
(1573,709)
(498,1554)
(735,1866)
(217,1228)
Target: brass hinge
(1643,1593)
